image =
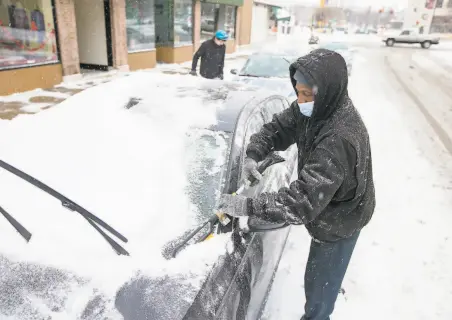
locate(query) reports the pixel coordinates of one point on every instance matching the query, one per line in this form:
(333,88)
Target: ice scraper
(172,248)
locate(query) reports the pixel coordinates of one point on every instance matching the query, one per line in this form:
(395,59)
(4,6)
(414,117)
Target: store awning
(227,2)
(270,3)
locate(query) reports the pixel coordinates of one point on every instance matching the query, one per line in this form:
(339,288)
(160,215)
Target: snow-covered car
(150,154)
(313,39)
(344,50)
(267,70)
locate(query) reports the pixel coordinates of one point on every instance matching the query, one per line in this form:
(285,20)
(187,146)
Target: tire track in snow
(442,134)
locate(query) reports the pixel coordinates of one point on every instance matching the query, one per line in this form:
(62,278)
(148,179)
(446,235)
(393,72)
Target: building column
(67,38)
(119,34)
(196,25)
(246,15)
(238,23)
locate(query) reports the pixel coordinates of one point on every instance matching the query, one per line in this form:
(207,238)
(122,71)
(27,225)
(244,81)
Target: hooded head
(321,76)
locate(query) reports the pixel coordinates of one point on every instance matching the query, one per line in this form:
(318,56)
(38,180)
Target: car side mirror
(256,224)
(234,71)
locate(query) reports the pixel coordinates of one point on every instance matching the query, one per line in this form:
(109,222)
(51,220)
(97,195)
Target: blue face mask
(306,108)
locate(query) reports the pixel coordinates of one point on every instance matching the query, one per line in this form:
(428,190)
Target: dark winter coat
(334,195)
(212,59)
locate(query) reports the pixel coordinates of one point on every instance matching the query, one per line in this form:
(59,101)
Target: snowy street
(402,265)
(131,167)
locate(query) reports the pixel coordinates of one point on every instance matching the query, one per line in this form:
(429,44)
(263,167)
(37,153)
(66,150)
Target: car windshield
(267,66)
(206,162)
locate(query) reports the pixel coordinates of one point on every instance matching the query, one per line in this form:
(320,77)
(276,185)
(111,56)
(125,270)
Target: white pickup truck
(410,36)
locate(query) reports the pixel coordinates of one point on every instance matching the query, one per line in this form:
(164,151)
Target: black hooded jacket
(212,59)
(334,195)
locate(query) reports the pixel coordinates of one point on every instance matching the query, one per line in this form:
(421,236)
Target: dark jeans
(325,270)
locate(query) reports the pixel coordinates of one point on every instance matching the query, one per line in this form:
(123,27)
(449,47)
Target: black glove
(265,207)
(193,73)
(250,170)
(268,207)
(235,206)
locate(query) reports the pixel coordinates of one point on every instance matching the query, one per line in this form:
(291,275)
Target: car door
(260,252)
(404,37)
(273,242)
(248,250)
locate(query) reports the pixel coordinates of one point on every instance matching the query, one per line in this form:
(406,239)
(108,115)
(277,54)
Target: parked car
(366,31)
(207,25)
(344,50)
(268,70)
(410,36)
(341,30)
(313,39)
(238,283)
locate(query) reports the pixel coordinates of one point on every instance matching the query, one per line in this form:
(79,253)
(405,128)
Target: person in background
(212,53)
(334,195)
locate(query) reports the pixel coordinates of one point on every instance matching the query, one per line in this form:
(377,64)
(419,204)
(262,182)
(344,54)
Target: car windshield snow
(206,163)
(266,66)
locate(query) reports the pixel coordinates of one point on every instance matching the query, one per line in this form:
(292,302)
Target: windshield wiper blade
(71,205)
(16,224)
(250,75)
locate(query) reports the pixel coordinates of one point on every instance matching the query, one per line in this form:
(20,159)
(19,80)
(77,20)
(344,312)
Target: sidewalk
(34,101)
(37,100)
(31,102)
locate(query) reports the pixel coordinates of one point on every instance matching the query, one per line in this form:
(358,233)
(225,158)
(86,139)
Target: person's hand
(234,205)
(221,77)
(268,207)
(250,171)
(193,73)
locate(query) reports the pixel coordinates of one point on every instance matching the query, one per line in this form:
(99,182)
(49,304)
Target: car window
(254,125)
(271,107)
(405,33)
(206,154)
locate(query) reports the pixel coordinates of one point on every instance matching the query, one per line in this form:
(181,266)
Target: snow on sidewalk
(402,265)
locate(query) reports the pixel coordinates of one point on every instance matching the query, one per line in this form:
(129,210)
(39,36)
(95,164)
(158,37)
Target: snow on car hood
(125,166)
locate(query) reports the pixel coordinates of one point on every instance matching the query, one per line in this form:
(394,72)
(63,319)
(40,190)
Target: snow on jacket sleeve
(319,180)
(198,54)
(277,135)
(221,66)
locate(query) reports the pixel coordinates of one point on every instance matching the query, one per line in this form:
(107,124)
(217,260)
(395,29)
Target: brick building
(434,16)
(45,42)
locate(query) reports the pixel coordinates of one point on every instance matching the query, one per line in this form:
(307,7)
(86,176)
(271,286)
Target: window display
(27,33)
(140,25)
(229,23)
(183,22)
(217,17)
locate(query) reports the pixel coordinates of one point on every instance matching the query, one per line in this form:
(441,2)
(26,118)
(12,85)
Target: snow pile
(128,167)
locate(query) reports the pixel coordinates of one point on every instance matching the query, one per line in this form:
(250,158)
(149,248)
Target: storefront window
(140,25)
(27,33)
(217,17)
(229,23)
(183,22)
(441,24)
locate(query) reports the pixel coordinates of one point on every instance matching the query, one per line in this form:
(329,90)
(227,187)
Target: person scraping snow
(334,195)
